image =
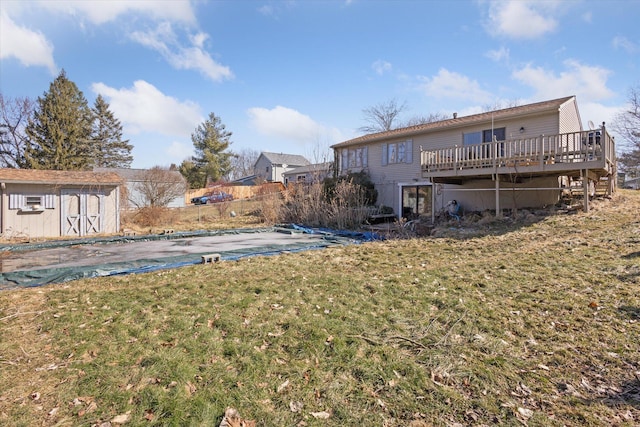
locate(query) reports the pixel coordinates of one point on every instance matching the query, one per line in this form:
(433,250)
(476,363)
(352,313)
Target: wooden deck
(590,153)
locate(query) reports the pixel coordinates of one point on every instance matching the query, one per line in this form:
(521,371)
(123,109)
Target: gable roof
(285,159)
(36,176)
(535,108)
(316,167)
(132,175)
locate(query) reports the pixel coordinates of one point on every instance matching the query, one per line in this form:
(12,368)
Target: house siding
(569,118)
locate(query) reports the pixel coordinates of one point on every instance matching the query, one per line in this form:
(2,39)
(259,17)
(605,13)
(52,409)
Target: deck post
(498,210)
(585,187)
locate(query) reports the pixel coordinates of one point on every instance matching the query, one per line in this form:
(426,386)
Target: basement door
(416,201)
(82,212)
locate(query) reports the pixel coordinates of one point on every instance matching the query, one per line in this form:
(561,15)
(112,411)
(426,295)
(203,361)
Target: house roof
(316,167)
(36,176)
(129,174)
(506,113)
(285,159)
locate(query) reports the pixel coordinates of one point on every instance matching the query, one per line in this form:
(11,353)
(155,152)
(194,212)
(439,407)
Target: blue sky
(294,76)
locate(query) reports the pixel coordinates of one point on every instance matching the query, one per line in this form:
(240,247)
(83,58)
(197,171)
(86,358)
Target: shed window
(21,201)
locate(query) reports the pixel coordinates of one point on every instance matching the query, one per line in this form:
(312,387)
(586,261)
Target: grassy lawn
(536,324)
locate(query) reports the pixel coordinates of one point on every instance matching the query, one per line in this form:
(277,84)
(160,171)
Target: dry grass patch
(531,325)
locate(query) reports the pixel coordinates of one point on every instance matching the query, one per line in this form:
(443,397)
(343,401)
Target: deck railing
(567,148)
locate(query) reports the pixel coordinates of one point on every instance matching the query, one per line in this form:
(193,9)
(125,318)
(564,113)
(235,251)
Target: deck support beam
(585,187)
(498,210)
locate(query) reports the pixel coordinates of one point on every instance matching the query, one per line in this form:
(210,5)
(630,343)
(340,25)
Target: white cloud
(521,19)
(100,12)
(381,67)
(286,123)
(164,40)
(143,108)
(448,84)
(625,44)
(587,82)
(29,47)
(179,150)
(499,55)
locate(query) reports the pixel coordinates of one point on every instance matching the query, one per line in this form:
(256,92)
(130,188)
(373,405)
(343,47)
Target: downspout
(3,187)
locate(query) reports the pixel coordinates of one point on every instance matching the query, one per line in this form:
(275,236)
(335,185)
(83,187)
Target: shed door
(82,213)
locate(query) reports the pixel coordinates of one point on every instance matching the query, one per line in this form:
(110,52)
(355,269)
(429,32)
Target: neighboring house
(316,172)
(516,157)
(134,177)
(632,183)
(47,203)
(272,166)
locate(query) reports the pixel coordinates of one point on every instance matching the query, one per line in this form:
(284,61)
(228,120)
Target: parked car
(212,197)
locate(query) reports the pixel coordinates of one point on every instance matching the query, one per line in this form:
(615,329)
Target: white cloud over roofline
(29,47)
(449,84)
(286,123)
(143,108)
(587,82)
(185,57)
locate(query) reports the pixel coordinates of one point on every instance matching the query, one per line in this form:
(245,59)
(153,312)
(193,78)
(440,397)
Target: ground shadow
(632,255)
(629,394)
(632,313)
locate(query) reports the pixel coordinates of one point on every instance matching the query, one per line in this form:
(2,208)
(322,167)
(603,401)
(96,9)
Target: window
(31,201)
(397,152)
(479,137)
(22,201)
(354,158)
(487,135)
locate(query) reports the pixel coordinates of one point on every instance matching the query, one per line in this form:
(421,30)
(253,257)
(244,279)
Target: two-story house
(272,166)
(518,157)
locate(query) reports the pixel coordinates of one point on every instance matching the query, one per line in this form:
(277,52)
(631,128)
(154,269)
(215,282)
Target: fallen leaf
(295,406)
(189,388)
(53,412)
(323,415)
(121,419)
(283,386)
(526,413)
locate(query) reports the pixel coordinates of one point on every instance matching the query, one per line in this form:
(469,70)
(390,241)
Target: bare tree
(501,105)
(14,116)
(627,125)
(157,187)
(242,163)
(421,120)
(382,117)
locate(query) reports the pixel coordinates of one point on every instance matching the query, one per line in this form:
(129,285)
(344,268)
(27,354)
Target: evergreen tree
(109,150)
(211,162)
(60,130)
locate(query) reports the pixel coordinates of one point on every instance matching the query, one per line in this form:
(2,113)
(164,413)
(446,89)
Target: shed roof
(36,176)
(132,175)
(535,108)
(285,159)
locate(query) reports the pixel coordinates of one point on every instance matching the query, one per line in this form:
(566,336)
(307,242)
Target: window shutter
(16,201)
(384,154)
(408,151)
(345,160)
(364,157)
(49,201)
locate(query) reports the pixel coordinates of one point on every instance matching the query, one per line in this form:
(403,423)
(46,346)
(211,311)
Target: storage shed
(48,203)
